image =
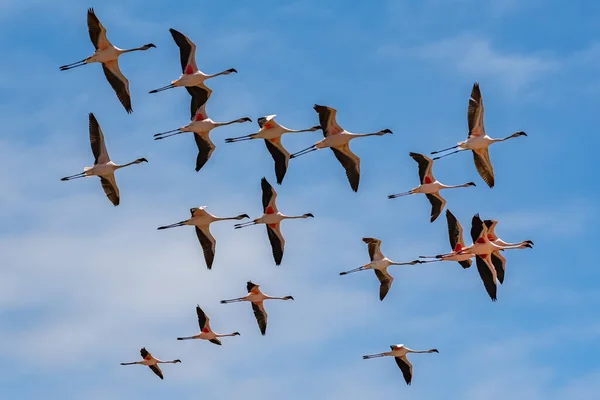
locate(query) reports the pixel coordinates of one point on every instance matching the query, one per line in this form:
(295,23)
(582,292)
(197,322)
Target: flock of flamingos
(486,247)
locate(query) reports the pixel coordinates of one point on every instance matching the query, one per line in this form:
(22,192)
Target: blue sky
(84,285)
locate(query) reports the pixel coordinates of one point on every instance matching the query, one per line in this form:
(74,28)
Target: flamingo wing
(97,141)
(96,31)
(374,248)
(425,164)
(280,156)
(261,316)
(481,157)
(187,52)
(269,195)
(200,95)
(277,242)
(487,274)
(205,149)
(156,369)
(250,285)
(406,368)
(478,229)
(263,120)
(350,162)
(208,243)
(216,341)
(119,83)
(327,120)
(437,204)
(499,263)
(110,188)
(385,281)
(203,320)
(475,112)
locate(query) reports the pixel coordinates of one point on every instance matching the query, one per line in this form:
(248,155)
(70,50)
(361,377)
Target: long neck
(299,130)
(167,362)
(128,164)
(454,186)
(121,51)
(503,243)
(276,298)
(357,135)
(217,74)
(419,351)
(225,334)
(514,135)
(229,123)
(401,263)
(294,216)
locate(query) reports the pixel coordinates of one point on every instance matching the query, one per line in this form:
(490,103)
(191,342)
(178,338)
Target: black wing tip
(91,11)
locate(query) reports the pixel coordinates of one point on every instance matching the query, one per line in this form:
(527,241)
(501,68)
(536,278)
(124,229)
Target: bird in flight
(201,220)
(272,218)
(399,352)
(455,235)
(190,76)
(103,167)
(151,362)
(256,298)
(108,56)
(271,132)
(205,332)
(429,186)
(478,141)
(379,263)
(337,139)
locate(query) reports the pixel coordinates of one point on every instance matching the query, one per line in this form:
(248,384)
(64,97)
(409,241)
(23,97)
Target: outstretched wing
(406,368)
(203,320)
(437,204)
(156,369)
(269,196)
(327,120)
(385,281)
(187,52)
(499,263)
(208,243)
(374,248)
(280,157)
(215,341)
(205,150)
(475,112)
(97,31)
(277,242)
(97,141)
(110,188)
(119,83)
(425,166)
(351,164)
(261,316)
(200,95)
(488,276)
(481,157)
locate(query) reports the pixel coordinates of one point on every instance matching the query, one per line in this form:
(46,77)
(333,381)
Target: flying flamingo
(201,220)
(399,352)
(205,332)
(108,56)
(103,167)
(190,76)
(455,235)
(151,362)
(337,139)
(272,218)
(478,141)
(498,260)
(256,297)
(379,264)
(271,132)
(429,186)
(200,126)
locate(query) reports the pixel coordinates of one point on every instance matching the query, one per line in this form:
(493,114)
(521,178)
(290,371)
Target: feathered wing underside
(477,228)
(261,316)
(187,52)
(385,281)
(250,285)
(499,263)
(280,156)
(215,341)
(327,120)
(205,149)
(437,204)
(156,369)
(263,120)
(351,164)
(109,185)
(203,320)
(208,243)
(425,167)
(97,141)
(406,368)
(118,82)
(96,31)
(374,248)
(481,157)
(144,353)
(277,243)
(200,95)
(475,112)
(488,276)
(455,231)
(269,196)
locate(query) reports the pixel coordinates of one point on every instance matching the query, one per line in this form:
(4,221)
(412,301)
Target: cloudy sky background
(84,285)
